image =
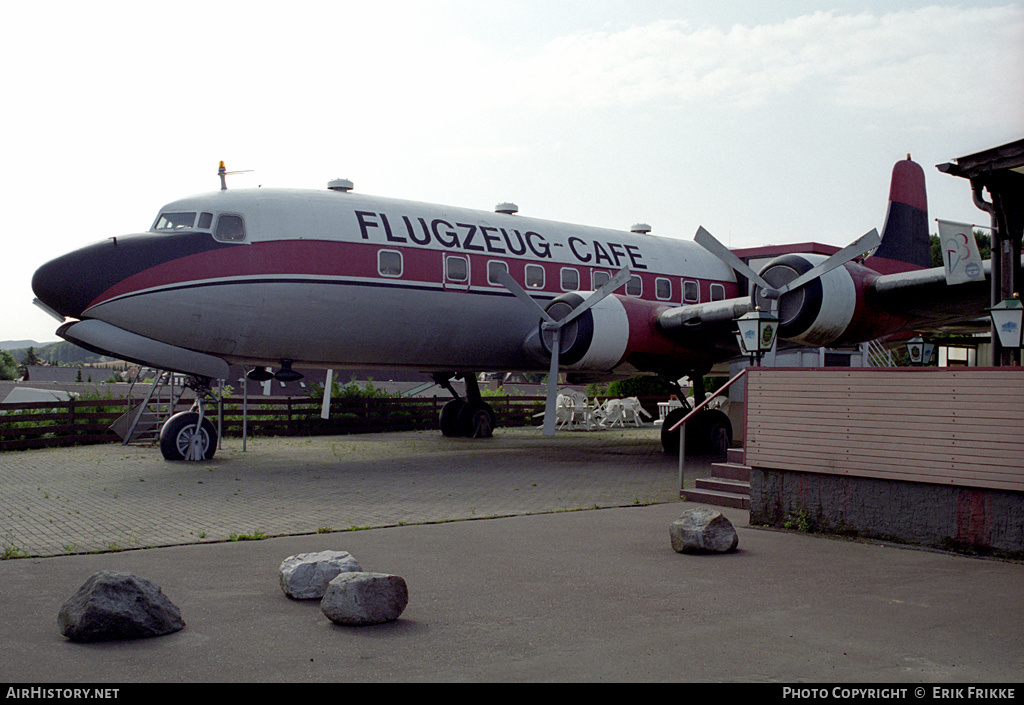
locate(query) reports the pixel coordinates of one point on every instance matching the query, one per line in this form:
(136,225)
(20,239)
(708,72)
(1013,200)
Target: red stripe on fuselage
(326,259)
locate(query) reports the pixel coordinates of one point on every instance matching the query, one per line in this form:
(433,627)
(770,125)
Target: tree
(8,367)
(29,360)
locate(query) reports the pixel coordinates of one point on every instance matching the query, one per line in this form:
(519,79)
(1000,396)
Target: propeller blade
(550,412)
(708,242)
(506,280)
(620,278)
(865,242)
(325,410)
(550,324)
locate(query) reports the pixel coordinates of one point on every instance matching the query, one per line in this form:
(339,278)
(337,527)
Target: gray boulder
(703,530)
(113,605)
(361,599)
(305,576)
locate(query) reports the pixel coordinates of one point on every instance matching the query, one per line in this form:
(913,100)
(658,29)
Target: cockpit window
(230,228)
(175,221)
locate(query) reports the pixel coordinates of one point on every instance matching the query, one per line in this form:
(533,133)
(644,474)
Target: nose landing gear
(190,435)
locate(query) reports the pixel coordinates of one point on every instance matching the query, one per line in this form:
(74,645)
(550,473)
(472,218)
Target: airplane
(329,279)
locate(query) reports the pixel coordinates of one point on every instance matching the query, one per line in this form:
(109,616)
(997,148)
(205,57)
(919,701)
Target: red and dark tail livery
(905,238)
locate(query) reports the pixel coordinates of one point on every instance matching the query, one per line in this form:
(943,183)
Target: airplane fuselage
(336,278)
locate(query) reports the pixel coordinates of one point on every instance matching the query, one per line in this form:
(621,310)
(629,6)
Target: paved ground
(539,594)
(95,498)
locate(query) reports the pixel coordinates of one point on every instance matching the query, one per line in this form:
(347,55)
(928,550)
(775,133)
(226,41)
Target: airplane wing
(709,327)
(849,305)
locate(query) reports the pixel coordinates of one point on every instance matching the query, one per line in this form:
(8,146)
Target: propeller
(858,247)
(554,327)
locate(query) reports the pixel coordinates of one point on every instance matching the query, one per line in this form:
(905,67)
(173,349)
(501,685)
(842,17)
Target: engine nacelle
(831,309)
(617,329)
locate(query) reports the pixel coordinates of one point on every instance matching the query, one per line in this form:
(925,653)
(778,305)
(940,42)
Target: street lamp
(919,351)
(757,331)
(1007,317)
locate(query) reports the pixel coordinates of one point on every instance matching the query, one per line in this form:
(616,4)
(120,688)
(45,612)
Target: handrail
(709,399)
(682,434)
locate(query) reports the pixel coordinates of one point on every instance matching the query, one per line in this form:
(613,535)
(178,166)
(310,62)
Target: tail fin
(905,238)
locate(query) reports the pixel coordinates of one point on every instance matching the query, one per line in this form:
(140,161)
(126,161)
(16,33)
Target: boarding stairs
(728,485)
(141,424)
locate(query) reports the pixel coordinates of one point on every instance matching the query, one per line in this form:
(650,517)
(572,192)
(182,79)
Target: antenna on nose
(223,173)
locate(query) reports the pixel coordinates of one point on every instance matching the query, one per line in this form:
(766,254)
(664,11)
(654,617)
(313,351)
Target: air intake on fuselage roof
(640,228)
(506,208)
(340,185)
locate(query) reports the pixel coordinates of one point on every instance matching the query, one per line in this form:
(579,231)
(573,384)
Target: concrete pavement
(536,593)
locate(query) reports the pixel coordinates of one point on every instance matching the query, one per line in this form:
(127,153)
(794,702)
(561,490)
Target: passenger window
(175,221)
(389,263)
(717,292)
(230,228)
(205,221)
(634,287)
(570,279)
(663,289)
(599,279)
(456,269)
(534,276)
(493,268)
(691,292)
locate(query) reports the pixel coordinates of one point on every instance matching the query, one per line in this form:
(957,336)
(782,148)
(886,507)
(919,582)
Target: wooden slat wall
(951,426)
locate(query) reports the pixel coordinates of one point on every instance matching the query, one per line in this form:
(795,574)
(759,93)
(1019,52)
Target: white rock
(365,598)
(305,576)
(703,530)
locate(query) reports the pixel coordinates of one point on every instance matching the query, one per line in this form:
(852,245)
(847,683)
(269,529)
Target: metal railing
(681,424)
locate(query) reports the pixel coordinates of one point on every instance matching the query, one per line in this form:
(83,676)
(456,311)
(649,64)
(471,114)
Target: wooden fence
(949,426)
(63,423)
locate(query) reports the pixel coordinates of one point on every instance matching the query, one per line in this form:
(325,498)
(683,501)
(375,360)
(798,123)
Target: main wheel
(709,432)
(476,420)
(178,432)
(450,418)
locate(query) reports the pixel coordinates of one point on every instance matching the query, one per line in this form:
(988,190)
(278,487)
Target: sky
(764,122)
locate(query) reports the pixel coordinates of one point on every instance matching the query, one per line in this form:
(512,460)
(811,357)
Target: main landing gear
(471,417)
(708,432)
(190,435)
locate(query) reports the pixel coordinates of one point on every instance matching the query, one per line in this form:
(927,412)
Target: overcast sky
(765,122)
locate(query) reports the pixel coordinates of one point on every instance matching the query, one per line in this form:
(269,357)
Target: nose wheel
(190,435)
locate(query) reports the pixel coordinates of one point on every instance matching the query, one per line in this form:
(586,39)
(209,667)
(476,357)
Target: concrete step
(737,456)
(731,471)
(716,498)
(722,484)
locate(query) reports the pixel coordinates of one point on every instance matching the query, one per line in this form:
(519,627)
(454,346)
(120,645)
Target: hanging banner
(960,252)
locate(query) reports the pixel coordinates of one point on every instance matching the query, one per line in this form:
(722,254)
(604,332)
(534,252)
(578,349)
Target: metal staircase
(142,422)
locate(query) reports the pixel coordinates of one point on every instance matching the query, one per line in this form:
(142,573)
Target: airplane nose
(70,282)
(73,282)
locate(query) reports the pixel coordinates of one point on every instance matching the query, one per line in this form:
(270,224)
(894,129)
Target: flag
(960,252)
